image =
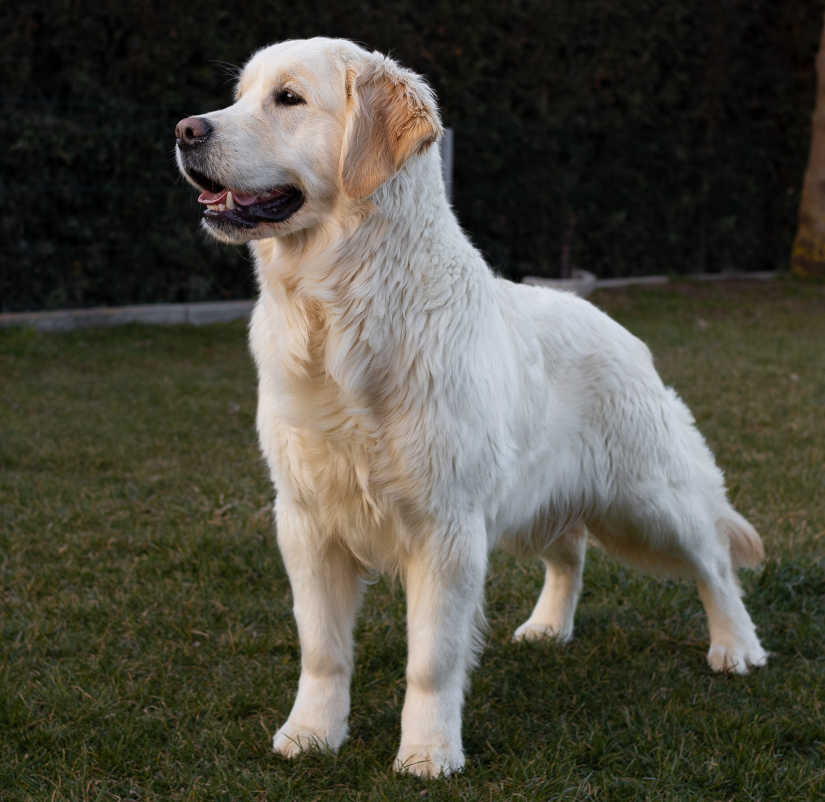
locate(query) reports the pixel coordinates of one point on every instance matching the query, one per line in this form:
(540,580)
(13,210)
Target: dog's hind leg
(552,617)
(680,539)
(734,645)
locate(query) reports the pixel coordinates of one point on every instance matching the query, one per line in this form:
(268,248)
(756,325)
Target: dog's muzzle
(240,208)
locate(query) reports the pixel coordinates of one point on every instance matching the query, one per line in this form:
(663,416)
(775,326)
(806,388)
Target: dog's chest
(328,446)
(334,445)
(341,467)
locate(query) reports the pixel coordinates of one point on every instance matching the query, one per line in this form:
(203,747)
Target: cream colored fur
(415,410)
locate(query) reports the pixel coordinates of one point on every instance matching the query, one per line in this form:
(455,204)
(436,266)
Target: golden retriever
(415,410)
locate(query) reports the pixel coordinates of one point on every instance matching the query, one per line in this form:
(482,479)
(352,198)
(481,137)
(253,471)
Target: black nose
(192,131)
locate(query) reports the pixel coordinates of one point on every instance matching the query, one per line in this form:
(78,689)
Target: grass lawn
(148,648)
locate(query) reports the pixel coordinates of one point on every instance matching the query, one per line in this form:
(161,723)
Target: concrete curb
(608,283)
(581,282)
(201,314)
(756,275)
(197,314)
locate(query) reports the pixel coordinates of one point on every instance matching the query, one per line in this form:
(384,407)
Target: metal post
(445,145)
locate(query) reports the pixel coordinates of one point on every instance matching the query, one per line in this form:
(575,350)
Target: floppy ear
(392,115)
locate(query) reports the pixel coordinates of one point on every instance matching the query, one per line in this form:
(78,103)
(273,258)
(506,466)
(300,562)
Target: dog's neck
(412,205)
(343,296)
(405,235)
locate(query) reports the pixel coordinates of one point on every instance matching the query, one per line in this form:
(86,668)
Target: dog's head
(315,124)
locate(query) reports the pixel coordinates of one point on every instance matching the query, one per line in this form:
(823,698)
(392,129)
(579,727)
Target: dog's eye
(286,97)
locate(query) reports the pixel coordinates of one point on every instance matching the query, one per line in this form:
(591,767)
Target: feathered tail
(746,547)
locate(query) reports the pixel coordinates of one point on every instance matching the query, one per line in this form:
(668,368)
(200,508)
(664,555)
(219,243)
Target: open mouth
(247,209)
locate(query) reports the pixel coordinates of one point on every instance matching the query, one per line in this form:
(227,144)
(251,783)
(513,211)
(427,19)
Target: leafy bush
(661,136)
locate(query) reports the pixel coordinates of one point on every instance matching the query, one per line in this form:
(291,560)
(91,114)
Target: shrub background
(665,136)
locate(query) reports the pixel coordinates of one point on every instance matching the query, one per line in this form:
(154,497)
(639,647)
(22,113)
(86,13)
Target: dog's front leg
(326,590)
(445,582)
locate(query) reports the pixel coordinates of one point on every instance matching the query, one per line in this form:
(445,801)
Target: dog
(415,410)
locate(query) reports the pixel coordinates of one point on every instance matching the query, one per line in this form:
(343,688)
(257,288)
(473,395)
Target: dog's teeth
(230,201)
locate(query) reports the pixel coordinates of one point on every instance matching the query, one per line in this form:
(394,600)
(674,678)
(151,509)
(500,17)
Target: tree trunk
(808,254)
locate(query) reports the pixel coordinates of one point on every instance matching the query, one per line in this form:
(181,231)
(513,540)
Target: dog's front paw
(291,740)
(429,760)
(530,630)
(735,657)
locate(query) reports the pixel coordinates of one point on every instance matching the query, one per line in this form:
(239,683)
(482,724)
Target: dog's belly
(528,515)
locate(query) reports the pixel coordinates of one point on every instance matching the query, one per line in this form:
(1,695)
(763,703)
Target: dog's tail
(746,547)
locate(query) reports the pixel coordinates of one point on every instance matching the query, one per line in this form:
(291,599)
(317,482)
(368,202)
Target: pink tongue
(241,198)
(212,197)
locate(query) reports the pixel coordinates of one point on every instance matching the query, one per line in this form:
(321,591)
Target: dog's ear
(391,116)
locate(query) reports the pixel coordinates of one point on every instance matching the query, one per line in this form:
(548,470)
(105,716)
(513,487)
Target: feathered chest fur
(325,430)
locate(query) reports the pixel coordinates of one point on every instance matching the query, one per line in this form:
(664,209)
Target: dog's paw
(429,760)
(290,741)
(736,657)
(532,630)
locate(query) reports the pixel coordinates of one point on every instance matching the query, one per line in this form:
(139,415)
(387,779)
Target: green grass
(148,649)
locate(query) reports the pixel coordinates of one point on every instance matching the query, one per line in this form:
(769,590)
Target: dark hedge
(663,136)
